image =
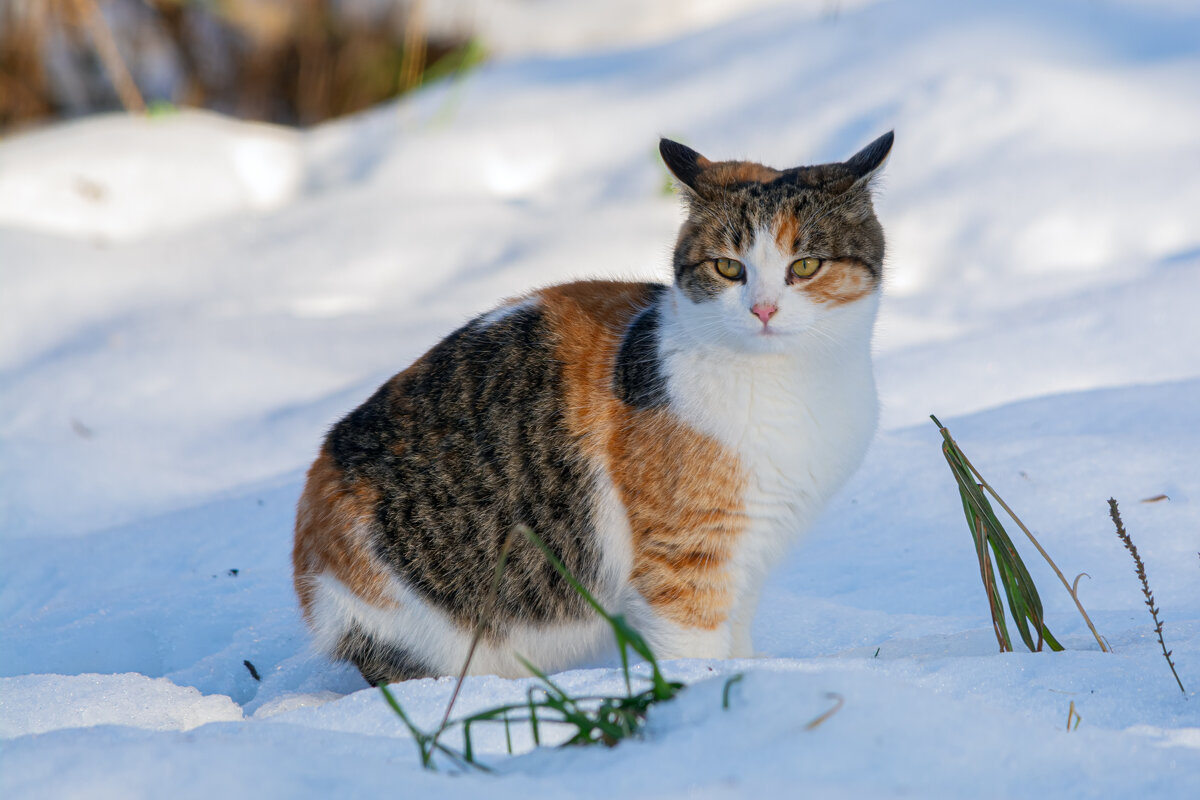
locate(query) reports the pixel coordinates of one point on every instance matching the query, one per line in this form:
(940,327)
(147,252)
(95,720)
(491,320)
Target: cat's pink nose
(764,311)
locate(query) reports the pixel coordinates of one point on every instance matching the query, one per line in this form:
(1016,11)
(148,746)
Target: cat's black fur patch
(379,662)
(682,160)
(869,159)
(462,447)
(638,379)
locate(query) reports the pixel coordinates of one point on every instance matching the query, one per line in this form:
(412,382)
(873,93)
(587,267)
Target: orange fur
(786,228)
(685,526)
(839,282)
(330,537)
(726,172)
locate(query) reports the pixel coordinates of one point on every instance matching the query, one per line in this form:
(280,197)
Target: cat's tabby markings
(667,442)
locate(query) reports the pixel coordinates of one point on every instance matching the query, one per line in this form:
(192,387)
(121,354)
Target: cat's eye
(729,268)
(805,267)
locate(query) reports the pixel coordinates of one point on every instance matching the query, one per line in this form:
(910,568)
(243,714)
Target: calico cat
(667,442)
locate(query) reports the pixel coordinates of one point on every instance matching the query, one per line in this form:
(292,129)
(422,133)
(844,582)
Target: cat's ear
(684,162)
(867,162)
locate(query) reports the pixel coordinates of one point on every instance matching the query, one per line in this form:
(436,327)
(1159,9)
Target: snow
(114,179)
(39,703)
(177,331)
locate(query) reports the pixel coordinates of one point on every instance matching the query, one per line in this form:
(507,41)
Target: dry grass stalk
(493,599)
(1073,714)
(413,63)
(838,702)
(110,56)
(1115,513)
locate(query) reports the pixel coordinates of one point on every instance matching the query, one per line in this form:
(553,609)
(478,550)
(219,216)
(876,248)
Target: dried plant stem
(1071,591)
(413,59)
(110,56)
(838,702)
(989,585)
(1141,573)
(493,597)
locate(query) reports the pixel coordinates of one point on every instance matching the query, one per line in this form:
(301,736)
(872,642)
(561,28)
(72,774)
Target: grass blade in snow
(986,531)
(595,720)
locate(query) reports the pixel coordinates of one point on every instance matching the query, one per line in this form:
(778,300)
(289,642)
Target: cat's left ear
(867,162)
(684,162)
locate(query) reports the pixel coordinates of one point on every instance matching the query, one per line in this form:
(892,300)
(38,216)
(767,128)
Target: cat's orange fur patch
(726,172)
(685,526)
(786,228)
(839,282)
(331,522)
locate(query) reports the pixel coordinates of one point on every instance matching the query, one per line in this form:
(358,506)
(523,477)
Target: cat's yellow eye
(729,268)
(805,267)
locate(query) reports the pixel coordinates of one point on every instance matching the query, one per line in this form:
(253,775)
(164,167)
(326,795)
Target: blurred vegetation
(295,62)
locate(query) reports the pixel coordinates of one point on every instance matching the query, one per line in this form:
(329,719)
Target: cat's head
(767,255)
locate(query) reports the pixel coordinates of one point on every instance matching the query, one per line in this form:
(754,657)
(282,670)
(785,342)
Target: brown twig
(838,702)
(1141,573)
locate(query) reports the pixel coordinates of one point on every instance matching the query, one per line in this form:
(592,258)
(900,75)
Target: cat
(668,443)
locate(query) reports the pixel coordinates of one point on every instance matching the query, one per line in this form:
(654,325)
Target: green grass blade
(419,736)
(468,750)
(601,719)
(562,570)
(626,635)
(1024,603)
(729,685)
(533,720)
(1023,597)
(553,689)
(979,537)
(959,461)
(624,662)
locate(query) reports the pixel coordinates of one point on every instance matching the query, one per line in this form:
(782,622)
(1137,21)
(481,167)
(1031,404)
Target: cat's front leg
(743,621)
(669,638)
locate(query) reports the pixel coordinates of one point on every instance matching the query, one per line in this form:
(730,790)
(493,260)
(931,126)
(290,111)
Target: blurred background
(293,62)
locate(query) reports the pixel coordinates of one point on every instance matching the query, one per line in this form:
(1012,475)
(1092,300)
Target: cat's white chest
(799,433)
(799,423)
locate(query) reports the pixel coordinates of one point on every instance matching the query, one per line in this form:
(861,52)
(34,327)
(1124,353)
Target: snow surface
(179,324)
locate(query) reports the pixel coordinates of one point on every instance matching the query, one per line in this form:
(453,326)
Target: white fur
(437,642)
(615,543)
(508,309)
(669,639)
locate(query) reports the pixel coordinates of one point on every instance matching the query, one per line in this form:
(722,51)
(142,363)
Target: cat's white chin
(768,340)
(773,338)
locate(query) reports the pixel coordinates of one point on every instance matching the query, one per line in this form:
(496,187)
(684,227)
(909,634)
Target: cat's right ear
(867,162)
(684,162)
